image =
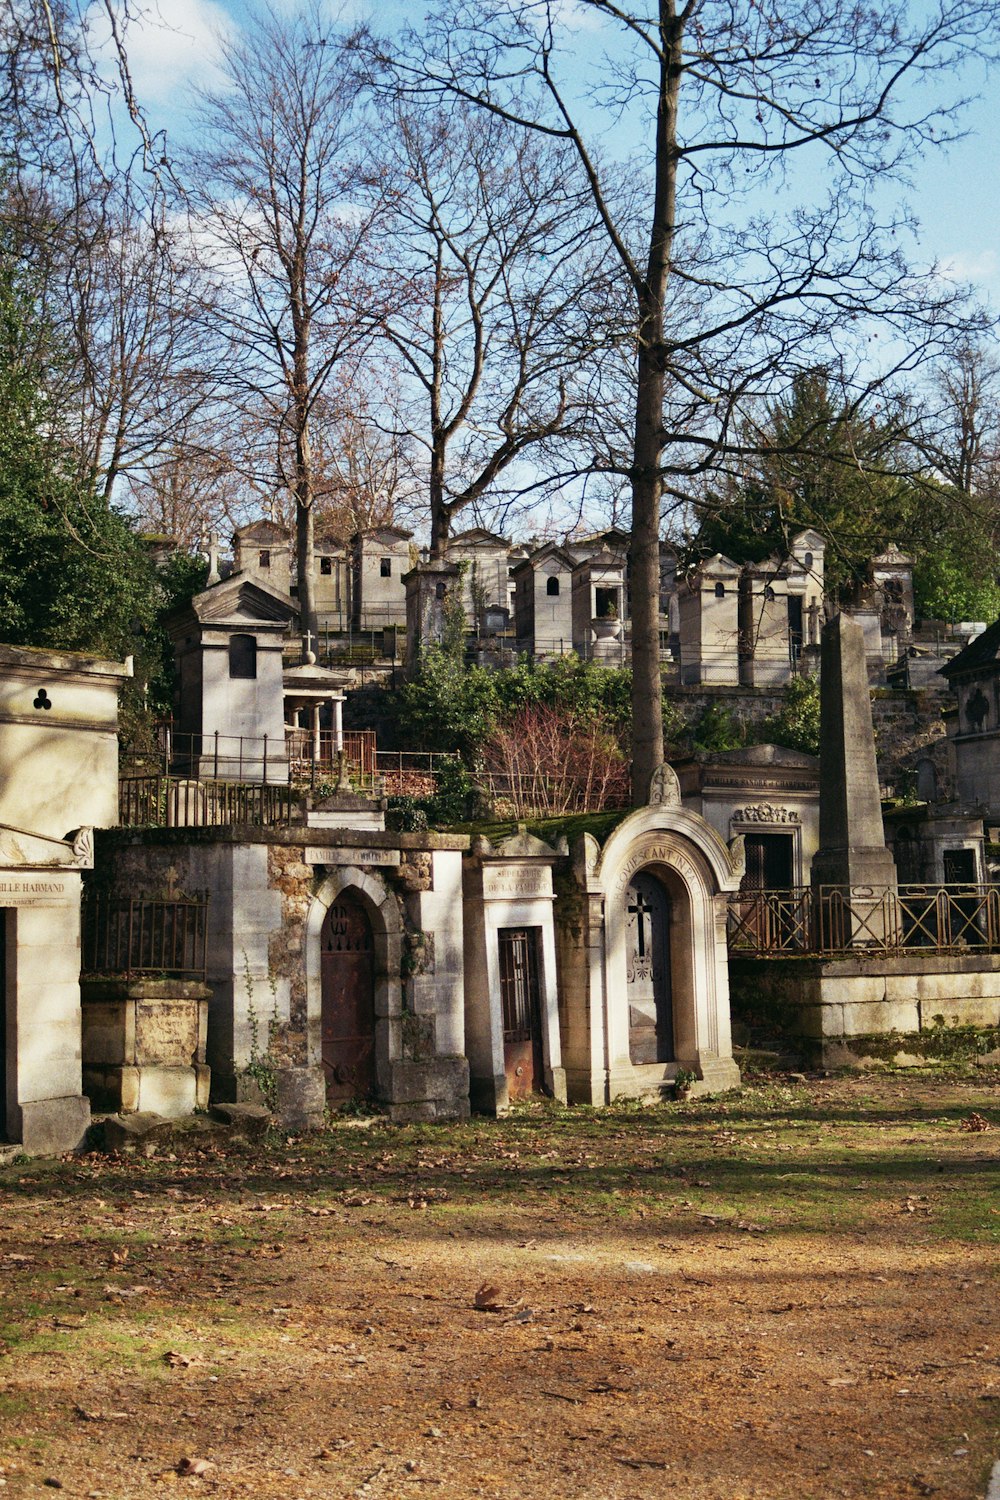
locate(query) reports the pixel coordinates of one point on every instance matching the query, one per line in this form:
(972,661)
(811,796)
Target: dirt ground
(787,1293)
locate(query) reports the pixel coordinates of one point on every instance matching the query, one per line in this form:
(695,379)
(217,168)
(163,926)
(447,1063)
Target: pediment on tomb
(523,845)
(243,601)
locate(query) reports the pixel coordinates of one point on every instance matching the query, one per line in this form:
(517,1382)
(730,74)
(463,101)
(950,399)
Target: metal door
(522,1026)
(4,1015)
(770,862)
(347,971)
(647,939)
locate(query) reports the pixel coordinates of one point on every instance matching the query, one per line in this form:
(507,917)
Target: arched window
(243,656)
(808,560)
(720,591)
(552,588)
(769,594)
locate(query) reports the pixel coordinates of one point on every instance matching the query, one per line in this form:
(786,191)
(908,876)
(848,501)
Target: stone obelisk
(852,856)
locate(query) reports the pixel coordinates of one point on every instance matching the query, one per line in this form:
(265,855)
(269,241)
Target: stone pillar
(852,851)
(317,743)
(427,586)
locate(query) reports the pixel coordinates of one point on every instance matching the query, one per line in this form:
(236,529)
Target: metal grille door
(347,969)
(522,1031)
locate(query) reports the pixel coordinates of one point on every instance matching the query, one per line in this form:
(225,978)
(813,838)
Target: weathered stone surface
(51,1126)
(852,840)
(301,1098)
(251,1120)
(439,1079)
(136,1132)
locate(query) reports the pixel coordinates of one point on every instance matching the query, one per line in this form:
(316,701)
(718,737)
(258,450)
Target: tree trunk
(647,484)
(647,687)
(440,513)
(305,551)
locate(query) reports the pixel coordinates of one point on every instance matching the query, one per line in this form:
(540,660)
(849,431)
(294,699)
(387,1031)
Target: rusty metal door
(347,970)
(647,938)
(522,1021)
(5,1002)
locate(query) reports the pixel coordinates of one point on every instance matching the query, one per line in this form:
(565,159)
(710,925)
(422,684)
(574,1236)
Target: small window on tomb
(959,866)
(720,591)
(808,560)
(769,594)
(326,565)
(264,558)
(243,656)
(552,588)
(385,567)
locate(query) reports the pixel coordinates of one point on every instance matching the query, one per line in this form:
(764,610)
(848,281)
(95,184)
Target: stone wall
(832,1007)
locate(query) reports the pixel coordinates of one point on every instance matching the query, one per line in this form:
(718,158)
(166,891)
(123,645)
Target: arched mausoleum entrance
(347,982)
(353,949)
(648,970)
(643,966)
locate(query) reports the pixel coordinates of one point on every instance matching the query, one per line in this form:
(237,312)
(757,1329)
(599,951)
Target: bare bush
(545,763)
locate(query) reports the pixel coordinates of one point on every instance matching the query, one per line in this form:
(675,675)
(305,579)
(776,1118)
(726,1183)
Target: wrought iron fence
(177,802)
(831,920)
(126,937)
(299,755)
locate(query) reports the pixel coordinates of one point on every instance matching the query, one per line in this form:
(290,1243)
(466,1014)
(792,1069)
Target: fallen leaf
(178,1361)
(490,1298)
(195,1467)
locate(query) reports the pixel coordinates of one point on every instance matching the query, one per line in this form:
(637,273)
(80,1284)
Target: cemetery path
(787,1293)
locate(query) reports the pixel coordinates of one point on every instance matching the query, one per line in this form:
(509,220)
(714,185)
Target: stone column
(317,743)
(852,852)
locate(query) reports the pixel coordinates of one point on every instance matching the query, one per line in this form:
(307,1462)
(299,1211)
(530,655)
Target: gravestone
(852,857)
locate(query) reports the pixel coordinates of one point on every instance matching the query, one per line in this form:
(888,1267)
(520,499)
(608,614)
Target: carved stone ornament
(591,853)
(83,848)
(664,787)
(765,812)
(738,855)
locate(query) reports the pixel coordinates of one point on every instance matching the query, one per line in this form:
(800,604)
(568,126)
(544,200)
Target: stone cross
(213,559)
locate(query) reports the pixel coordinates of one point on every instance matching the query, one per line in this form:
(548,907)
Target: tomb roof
(977,656)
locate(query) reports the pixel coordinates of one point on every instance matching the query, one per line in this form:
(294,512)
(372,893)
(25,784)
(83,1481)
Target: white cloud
(172,44)
(965,265)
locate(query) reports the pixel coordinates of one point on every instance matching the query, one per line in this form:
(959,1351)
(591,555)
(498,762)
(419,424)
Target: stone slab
(251,1120)
(50,1127)
(136,1132)
(301,1098)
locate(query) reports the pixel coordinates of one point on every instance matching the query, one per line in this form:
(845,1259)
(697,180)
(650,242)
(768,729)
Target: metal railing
(124,938)
(162,801)
(830,920)
(298,757)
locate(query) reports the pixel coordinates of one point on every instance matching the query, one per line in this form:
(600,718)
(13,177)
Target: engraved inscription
(356,857)
(514,883)
(765,812)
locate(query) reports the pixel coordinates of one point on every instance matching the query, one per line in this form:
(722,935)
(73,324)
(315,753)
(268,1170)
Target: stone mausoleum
(58,779)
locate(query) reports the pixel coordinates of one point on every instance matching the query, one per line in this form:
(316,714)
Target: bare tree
(963,424)
(275,194)
(366,470)
(759,129)
(499,302)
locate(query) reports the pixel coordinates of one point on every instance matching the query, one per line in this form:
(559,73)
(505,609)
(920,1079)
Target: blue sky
(954,197)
